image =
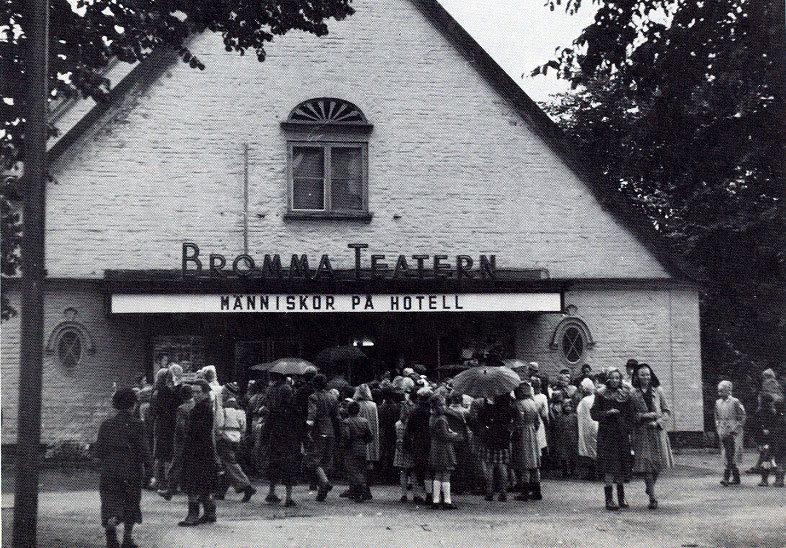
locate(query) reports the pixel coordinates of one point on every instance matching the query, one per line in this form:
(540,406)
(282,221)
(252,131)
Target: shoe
(404,498)
(248,492)
(502,497)
(536,494)
(418,499)
(367,493)
(272,499)
(435,506)
(128,543)
(290,504)
(111,539)
(210,512)
(449,506)
(489,498)
(322,492)
(621,496)
(166,494)
(763,483)
(735,477)
(610,504)
(345,494)
(653,504)
(726,476)
(777,483)
(192,518)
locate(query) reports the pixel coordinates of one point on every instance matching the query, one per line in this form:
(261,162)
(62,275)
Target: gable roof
(610,199)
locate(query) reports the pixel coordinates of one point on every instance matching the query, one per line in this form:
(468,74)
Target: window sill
(361,216)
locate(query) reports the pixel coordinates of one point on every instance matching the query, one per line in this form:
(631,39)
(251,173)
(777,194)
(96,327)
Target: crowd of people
(201,438)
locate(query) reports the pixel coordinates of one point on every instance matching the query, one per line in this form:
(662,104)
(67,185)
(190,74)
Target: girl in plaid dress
(496,427)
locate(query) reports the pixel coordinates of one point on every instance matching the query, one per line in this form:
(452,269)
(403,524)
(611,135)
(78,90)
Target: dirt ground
(694,511)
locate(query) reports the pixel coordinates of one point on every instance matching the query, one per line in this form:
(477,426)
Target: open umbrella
(292,366)
(339,354)
(486,381)
(262,366)
(452,367)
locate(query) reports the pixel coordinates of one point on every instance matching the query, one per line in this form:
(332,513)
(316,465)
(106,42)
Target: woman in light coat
(588,428)
(651,448)
(368,410)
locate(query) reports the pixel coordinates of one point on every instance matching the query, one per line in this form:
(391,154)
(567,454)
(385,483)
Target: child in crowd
(567,427)
(402,459)
(442,455)
(763,425)
(356,434)
(729,422)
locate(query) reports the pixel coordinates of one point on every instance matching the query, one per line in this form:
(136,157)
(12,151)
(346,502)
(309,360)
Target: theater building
(387,186)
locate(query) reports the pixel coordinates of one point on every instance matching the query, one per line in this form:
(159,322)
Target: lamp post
(28,439)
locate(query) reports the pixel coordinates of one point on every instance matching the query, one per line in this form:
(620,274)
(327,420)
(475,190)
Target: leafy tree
(682,105)
(86,37)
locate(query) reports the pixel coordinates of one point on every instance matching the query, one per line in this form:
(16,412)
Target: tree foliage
(681,103)
(86,36)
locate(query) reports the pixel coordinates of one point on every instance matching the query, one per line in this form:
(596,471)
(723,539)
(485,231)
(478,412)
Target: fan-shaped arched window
(327,147)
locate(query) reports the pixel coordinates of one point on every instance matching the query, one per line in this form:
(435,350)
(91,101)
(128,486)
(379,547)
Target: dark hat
(631,364)
(564,371)
(124,398)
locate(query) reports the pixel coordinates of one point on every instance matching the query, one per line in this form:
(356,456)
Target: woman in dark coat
(284,440)
(442,455)
(121,448)
(200,469)
(613,410)
(417,441)
(164,403)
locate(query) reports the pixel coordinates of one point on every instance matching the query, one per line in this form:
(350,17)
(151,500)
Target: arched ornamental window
(572,338)
(327,160)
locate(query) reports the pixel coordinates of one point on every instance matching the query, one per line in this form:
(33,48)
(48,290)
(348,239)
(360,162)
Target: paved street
(695,511)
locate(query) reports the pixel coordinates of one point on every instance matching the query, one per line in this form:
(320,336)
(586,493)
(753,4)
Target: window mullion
(326,180)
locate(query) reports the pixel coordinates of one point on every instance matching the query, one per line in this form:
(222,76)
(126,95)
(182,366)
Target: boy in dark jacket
(356,434)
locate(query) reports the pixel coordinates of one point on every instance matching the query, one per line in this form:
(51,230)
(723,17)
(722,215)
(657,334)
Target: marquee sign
(256,303)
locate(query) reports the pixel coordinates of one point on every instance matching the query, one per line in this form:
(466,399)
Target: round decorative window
(573,344)
(69,348)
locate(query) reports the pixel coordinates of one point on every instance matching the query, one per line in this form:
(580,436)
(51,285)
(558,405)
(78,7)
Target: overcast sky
(520,35)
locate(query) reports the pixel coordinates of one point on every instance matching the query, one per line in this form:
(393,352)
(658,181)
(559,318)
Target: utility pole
(28,433)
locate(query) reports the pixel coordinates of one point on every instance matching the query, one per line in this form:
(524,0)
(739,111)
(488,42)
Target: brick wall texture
(452,169)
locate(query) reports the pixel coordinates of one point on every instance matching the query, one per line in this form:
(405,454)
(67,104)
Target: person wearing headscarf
(121,447)
(614,411)
(526,453)
(588,429)
(181,425)
(651,448)
(542,402)
(200,469)
(164,403)
(417,441)
(369,411)
(770,385)
(729,423)
(356,436)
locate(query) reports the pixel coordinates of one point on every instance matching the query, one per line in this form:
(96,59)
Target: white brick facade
(453,168)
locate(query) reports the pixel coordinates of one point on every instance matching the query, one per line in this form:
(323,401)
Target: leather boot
(726,476)
(621,496)
(765,476)
(525,489)
(210,512)
(536,494)
(111,538)
(735,477)
(193,515)
(609,492)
